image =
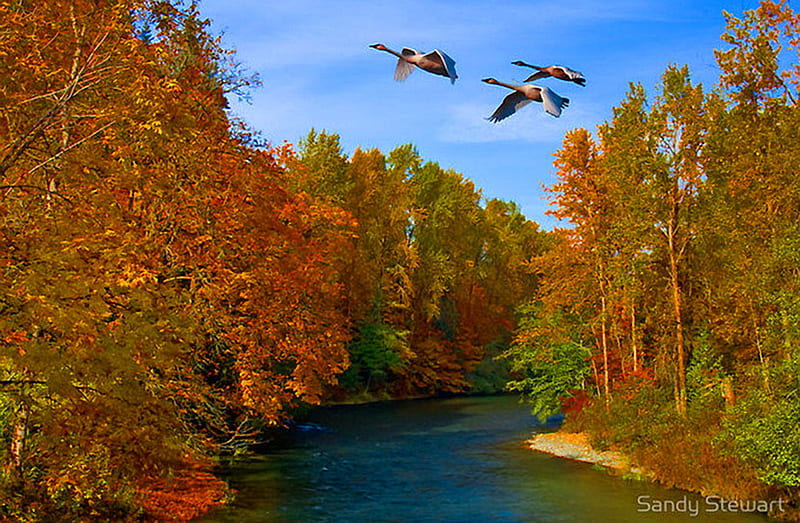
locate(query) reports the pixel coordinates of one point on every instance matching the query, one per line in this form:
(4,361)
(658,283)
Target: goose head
(380,47)
(525,64)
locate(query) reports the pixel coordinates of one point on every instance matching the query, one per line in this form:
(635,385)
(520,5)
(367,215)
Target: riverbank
(576,446)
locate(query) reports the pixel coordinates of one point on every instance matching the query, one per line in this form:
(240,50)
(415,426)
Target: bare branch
(61,153)
(35,188)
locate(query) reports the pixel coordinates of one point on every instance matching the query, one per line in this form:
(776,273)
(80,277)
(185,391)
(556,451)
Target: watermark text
(710,504)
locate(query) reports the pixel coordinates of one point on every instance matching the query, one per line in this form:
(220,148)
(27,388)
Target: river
(454,460)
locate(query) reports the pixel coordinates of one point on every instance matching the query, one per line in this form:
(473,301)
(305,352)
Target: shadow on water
(460,459)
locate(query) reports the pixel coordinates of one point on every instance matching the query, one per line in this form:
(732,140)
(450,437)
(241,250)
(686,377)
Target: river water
(454,460)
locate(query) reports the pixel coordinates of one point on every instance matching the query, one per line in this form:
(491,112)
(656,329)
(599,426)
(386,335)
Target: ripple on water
(461,459)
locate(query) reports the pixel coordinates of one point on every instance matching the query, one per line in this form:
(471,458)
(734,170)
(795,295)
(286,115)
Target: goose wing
(537,75)
(449,65)
(552,102)
(510,105)
(573,75)
(402,70)
(444,61)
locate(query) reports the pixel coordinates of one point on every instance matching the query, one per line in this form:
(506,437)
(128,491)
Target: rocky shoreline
(576,446)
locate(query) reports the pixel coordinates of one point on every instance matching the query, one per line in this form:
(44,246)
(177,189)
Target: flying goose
(436,62)
(556,71)
(522,96)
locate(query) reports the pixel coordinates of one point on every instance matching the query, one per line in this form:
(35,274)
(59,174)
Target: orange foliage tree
(164,292)
(680,268)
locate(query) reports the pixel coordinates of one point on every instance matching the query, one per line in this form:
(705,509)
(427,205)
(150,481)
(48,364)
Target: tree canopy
(678,270)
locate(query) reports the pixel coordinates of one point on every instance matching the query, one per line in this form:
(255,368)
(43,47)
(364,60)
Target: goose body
(522,96)
(435,62)
(556,71)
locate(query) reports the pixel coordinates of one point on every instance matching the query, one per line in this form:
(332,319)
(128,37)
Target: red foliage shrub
(574,403)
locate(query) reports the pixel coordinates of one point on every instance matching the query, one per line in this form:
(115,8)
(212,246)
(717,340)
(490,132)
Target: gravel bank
(575,446)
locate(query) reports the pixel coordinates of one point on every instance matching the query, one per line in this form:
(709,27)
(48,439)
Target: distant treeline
(431,276)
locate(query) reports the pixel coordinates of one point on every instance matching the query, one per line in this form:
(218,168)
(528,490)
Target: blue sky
(317,69)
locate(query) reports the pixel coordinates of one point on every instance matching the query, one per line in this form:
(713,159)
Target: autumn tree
(677,121)
(752,203)
(686,205)
(582,198)
(164,292)
(373,190)
(89,337)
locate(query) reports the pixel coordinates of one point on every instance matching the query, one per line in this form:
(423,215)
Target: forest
(173,287)
(666,320)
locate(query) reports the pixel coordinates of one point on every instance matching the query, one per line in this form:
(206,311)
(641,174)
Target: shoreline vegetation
(577,446)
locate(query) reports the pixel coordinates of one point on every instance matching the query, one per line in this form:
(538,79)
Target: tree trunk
(634,347)
(680,344)
(604,341)
(19,435)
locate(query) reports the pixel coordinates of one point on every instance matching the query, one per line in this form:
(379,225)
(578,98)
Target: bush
(763,426)
(492,373)
(549,364)
(684,452)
